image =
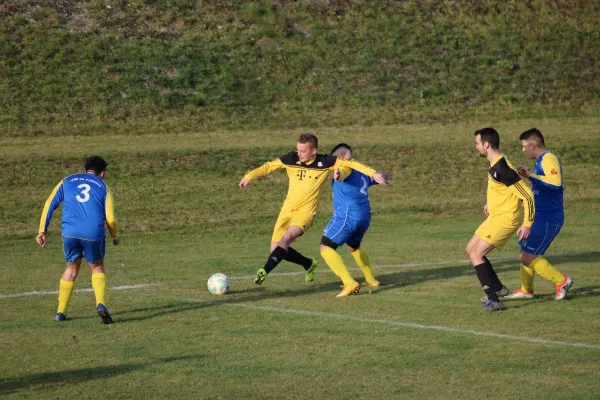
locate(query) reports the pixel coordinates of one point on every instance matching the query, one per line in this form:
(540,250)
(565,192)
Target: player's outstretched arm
(351,163)
(263,170)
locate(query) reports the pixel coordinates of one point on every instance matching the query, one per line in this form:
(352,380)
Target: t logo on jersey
(301,174)
(554,171)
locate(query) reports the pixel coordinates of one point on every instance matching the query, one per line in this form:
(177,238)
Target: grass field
(422,335)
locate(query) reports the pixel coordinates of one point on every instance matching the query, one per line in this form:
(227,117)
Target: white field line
(243,277)
(385,321)
(48,292)
(393,322)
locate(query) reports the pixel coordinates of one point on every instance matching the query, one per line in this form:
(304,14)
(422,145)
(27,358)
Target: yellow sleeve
(340,163)
(264,169)
(111,220)
(552,177)
(52,202)
(524,192)
(344,173)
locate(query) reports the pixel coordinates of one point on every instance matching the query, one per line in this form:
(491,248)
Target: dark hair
(309,138)
(341,146)
(489,135)
(533,133)
(96,164)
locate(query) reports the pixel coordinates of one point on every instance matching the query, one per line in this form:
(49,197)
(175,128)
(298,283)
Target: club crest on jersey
(319,164)
(554,171)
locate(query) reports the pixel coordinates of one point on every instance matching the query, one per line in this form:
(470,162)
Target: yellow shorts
(303,219)
(496,232)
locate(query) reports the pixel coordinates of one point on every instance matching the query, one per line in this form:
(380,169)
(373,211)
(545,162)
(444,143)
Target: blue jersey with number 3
(84,198)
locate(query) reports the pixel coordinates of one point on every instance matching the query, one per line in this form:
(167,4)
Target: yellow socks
(336,264)
(543,268)
(527,278)
(362,259)
(65,289)
(99,285)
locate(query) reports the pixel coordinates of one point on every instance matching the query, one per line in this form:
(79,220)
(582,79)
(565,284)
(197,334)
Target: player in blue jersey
(87,207)
(349,223)
(548,187)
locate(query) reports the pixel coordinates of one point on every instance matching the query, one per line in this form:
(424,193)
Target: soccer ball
(218,284)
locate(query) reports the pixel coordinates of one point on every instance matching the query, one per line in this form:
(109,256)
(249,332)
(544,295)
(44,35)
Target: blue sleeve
(543,183)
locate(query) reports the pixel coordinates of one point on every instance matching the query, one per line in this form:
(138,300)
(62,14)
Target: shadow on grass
(388,281)
(45,380)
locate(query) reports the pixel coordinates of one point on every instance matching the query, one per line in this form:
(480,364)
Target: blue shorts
(92,250)
(345,229)
(541,236)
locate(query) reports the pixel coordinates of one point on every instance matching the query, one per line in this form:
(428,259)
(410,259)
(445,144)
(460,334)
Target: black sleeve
(290,158)
(502,173)
(329,161)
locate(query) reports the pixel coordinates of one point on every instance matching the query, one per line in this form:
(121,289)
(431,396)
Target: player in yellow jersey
(505,193)
(307,172)
(87,207)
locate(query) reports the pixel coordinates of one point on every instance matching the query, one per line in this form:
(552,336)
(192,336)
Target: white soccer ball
(218,284)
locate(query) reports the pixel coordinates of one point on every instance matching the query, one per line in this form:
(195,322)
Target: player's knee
(70,274)
(353,247)
(327,243)
(97,267)
(468,251)
(526,258)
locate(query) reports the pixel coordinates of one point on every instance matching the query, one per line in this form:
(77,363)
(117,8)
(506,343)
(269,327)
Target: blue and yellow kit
(87,206)
(547,185)
(305,186)
(351,208)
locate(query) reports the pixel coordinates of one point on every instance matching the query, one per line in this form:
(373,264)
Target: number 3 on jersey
(85,191)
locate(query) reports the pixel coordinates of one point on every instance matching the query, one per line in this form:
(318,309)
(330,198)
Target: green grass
(184,218)
(89,68)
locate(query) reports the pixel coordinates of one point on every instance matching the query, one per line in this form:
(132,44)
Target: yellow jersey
(306,179)
(505,192)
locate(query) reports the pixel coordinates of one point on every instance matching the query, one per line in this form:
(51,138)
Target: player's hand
(116,241)
(41,239)
(486,211)
(523,232)
(336,174)
(524,172)
(386,175)
(380,178)
(244,182)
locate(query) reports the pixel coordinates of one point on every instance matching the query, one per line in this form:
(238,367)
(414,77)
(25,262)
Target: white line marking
(44,293)
(243,277)
(414,325)
(383,321)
